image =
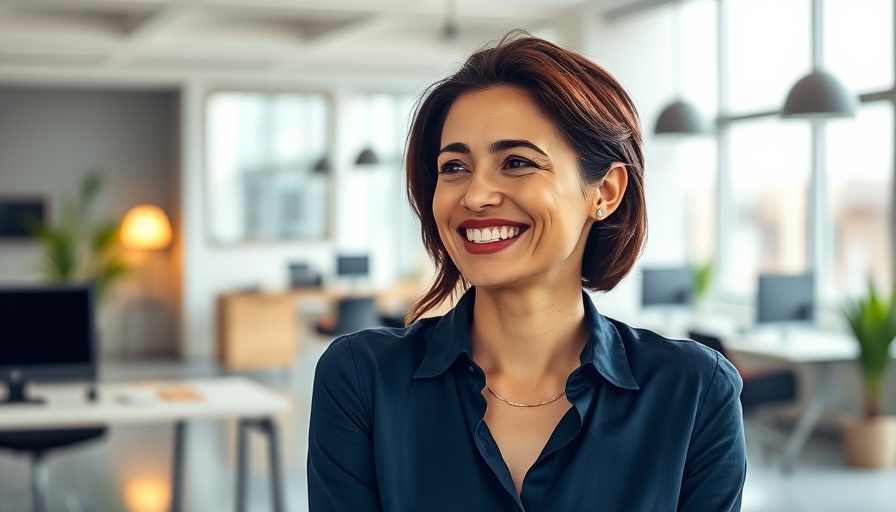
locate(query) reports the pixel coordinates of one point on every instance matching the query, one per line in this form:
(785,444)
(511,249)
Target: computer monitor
(46,334)
(302,276)
(785,298)
(352,266)
(670,286)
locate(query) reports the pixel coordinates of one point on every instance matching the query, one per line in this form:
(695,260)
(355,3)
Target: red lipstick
(489,247)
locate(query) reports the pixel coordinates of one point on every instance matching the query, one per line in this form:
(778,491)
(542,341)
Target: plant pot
(870,442)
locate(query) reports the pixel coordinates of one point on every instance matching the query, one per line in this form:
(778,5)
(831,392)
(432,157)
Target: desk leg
(242,464)
(807,422)
(267,427)
(177,466)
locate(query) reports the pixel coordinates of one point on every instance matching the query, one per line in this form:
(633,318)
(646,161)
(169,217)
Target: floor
(129,470)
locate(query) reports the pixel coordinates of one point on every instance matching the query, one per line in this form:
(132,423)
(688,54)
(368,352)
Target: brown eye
(517,163)
(451,167)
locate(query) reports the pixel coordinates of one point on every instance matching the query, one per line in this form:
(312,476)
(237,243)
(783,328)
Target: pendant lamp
(679,117)
(818,95)
(367,157)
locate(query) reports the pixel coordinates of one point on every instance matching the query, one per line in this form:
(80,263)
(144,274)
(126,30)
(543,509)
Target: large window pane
(768,51)
(769,165)
(700,55)
(261,150)
(858,43)
(859,160)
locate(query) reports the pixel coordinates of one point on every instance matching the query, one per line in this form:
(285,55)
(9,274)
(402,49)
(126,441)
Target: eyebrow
(494,147)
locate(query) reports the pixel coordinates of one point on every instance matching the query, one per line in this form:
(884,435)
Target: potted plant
(870,440)
(703,274)
(77,249)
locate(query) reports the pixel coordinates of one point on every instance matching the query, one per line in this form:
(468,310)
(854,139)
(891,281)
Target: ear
(610,192)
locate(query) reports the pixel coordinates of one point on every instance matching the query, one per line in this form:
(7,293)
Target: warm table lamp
(146,228)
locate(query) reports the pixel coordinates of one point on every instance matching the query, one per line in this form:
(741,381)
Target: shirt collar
(450,338)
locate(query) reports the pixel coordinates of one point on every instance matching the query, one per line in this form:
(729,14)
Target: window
(769,173)
(261,150)
(768,51)
(858,43)
(859,157)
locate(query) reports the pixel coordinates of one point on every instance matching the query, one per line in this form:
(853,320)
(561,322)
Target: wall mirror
(266,160)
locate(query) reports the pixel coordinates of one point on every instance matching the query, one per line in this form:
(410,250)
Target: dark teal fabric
(397,425)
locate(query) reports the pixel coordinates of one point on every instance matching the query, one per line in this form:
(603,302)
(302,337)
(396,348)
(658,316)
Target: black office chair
(761,388)
(36,444)
(352,315)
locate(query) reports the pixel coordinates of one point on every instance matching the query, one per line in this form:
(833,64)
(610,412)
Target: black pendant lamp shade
(322,166)
(817,96)
(367,157)
(680,118)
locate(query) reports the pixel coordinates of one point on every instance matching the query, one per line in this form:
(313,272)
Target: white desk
(220,398)
(802,346)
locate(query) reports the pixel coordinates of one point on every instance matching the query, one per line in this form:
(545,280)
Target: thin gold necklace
(517,404)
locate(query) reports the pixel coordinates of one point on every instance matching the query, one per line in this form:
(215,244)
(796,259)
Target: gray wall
(49,139)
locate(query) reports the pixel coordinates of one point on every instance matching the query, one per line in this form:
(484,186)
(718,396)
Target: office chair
(36,444)
(761,388)
(353,314)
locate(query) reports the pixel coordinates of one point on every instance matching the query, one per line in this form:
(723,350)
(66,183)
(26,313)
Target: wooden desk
(259,330)
(820,349)
(253,405)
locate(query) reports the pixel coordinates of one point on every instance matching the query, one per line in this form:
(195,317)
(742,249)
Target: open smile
(490,235)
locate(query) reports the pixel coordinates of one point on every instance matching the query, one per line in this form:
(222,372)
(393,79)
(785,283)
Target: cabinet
(257,330)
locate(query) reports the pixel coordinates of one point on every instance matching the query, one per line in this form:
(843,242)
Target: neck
(527,338)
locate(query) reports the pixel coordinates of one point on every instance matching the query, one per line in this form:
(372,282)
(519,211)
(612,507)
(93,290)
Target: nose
(482,192)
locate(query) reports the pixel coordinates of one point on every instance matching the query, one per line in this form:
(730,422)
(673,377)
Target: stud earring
(600,213)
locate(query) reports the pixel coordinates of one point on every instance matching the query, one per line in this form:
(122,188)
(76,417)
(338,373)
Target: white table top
(66,406)
(798,345)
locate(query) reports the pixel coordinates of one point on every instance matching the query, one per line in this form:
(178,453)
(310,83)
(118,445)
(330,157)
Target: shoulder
(676,362)
(375,351)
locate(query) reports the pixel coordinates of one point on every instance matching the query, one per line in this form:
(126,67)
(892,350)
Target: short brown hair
(592,113)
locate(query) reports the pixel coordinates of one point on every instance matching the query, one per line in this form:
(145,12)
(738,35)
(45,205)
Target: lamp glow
(145,227)
(147,494)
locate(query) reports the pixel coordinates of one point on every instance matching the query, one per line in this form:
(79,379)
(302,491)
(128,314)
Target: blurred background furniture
(352,314)
(761,389)
(257,330)
(253,405)
(48,335)
(35,444)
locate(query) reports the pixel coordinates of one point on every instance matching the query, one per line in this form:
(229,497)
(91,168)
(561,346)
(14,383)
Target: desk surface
(798,345)
(65,406)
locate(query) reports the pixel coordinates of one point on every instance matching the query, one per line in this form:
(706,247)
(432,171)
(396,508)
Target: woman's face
(509,203)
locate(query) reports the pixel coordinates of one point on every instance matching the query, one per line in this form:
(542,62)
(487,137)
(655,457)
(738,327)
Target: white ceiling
(282,36)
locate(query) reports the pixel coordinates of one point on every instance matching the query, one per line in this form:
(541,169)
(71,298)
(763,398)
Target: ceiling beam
(152,27)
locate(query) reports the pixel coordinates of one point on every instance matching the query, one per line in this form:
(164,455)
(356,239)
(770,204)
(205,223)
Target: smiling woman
(526,171)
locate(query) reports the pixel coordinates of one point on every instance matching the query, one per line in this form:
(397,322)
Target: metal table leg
(268,427)
(242,464)
(177,466)
(807,422)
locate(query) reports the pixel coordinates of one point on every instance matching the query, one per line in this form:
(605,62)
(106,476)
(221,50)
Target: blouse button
(471,369)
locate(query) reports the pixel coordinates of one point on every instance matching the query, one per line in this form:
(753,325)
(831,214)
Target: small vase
(870,442)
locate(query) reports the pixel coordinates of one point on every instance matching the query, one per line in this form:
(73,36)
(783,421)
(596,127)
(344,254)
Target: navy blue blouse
(397,425)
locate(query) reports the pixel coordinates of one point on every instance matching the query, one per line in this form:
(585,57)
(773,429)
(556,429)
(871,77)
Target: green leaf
(104,238)
(112,269)
(872,320)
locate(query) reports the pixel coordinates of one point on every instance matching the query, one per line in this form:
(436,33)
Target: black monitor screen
(18,215)
(352,265)
(785,298)
(667,286)
(41,327)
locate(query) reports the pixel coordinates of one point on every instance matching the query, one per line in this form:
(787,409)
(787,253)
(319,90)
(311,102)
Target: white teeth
(491,234)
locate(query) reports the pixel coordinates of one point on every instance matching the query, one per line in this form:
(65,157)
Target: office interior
(270,135)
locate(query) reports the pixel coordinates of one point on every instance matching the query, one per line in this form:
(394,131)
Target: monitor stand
(15,386)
